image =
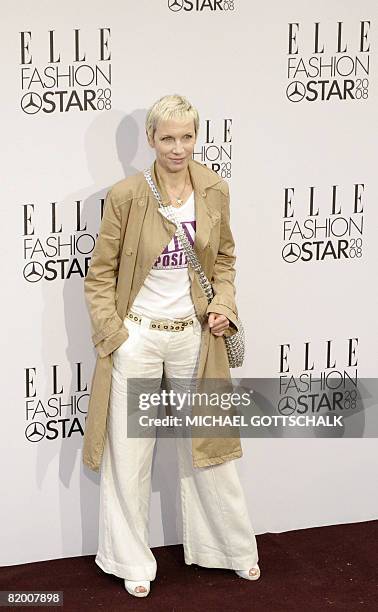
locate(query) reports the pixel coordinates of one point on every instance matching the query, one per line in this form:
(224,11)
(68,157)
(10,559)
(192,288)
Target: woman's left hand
(218,323)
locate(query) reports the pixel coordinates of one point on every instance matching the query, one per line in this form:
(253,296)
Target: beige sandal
(246,573)
(131,585)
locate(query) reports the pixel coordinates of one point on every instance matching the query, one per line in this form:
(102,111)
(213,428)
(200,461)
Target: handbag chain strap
(169,213)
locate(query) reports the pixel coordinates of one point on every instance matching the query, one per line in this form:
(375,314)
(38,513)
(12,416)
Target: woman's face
(174,143)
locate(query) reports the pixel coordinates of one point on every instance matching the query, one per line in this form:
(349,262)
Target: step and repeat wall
(287,96)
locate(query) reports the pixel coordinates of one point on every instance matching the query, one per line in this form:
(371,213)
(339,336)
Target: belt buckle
(169,324)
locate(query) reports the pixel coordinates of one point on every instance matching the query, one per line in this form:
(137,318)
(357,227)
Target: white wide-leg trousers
(217,531)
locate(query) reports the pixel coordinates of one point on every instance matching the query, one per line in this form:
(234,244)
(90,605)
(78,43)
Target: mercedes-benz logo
(287,405)
(33,271)
(291,252)
(35,431)
(175,5)
(31,103)
(295,91)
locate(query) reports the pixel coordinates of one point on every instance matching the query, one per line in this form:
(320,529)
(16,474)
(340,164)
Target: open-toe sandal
(245,573)
(130,586)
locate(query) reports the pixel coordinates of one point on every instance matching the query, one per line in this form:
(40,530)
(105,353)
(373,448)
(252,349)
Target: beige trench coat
(133,233)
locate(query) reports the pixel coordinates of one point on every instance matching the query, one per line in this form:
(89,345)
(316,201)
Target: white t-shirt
(165,293)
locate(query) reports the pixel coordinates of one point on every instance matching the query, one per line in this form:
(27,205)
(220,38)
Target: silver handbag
(235,344)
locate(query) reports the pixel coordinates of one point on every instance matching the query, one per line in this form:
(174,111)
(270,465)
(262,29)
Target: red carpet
(309,570)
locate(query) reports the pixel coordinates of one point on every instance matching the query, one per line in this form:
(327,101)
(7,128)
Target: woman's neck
(172,180)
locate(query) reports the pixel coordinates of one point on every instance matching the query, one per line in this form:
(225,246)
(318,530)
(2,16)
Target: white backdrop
(263,123)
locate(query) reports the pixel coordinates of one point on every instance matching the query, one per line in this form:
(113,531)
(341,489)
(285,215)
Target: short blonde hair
(170,107)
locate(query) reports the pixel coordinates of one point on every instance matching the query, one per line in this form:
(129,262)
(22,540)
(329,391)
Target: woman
(150,318)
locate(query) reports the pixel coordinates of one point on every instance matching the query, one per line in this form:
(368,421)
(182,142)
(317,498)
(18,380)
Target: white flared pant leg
(125,483)
(217,530)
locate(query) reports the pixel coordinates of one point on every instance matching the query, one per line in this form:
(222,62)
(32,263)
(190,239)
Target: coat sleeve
(108,330)
(223,276)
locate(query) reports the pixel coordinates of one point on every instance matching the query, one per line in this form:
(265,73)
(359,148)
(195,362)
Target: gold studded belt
(163,324)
